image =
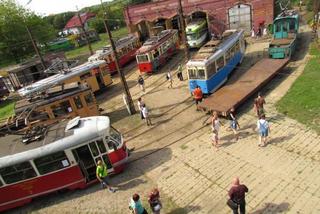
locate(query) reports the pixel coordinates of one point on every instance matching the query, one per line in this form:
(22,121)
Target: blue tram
(212,65)
(285,30)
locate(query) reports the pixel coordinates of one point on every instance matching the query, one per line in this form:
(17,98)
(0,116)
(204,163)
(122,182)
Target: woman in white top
(140,104)
(169,78)
(145,113)
(215,125)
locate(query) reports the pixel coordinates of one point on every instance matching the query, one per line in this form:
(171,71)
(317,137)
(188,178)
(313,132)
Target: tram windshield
(115,134)
(196,73)
(142,58)
(192,36)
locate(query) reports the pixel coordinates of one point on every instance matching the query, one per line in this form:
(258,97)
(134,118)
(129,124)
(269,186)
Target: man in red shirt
(258,105)
(237,195)
(198,95)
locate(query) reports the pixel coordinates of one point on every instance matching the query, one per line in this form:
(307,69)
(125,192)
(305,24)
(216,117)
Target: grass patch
(183,146)
(6,108)
(302,101)
(84,50)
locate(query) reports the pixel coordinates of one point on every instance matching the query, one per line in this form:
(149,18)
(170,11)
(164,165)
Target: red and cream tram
(157,50)
(126,49)
(63,156)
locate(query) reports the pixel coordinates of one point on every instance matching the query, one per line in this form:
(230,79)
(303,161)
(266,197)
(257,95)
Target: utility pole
(183,28)
(85,33)
(125,87)
(36,47)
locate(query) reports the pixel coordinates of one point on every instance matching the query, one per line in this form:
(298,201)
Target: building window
(52,162)
(17,172)
(78,102)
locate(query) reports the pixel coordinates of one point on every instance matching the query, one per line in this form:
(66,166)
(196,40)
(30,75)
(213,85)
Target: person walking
(141,83)
(154,201)
(215,126)
(264,130)
(258,105)
(169,79)
(179,72)
(135,205)
(145,113)
(102,175)
(140,104)
(237,194)
(198,95)
(234,125)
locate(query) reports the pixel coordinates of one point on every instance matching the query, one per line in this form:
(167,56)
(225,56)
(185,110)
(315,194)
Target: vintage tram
(61,156)
(157,50)
(126,48)
(211,66)
(94,74)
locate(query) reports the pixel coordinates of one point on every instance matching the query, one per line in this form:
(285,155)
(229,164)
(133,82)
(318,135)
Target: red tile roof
(75,22)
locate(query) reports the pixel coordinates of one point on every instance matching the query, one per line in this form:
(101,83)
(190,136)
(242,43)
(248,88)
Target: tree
(15,42)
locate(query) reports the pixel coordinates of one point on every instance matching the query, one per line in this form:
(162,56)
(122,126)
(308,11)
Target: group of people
(236,194)
(135,204)
(262,124)
(154,202)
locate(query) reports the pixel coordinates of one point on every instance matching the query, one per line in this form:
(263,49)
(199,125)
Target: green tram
(61,44)
(197,33)
(285,31)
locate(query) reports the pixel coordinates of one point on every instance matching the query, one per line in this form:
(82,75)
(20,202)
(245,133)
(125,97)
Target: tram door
(86,162)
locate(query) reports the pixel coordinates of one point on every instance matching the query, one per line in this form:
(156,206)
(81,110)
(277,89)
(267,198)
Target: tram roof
(122,42)
(214,48)
(155,41)
(195,24)
(58,78)
(58,137)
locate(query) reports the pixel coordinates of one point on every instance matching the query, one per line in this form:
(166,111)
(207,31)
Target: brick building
(146,18)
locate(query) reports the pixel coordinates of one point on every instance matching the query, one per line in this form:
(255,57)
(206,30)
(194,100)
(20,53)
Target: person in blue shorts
(264,130)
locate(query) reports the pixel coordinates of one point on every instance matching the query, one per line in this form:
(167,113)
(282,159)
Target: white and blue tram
(212,65)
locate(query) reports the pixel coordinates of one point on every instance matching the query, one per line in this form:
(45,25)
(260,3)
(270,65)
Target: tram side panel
(22,193)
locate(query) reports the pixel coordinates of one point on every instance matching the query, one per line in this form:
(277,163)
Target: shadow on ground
(273,208)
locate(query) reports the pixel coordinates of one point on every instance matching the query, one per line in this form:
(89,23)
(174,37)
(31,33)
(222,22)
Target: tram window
(292,25)
(61,110)
(229,54)
(285,27)
(220,63)
(278,27)
(156,53)
(94,149)
(88,98)
(201,74)
(78,102)
(192,73)
(237,47)
(1,183)
(52,162)
(112,144)
(115,134)
(39,115)
(17,172)
(142,58)
(211,69)
(101,146)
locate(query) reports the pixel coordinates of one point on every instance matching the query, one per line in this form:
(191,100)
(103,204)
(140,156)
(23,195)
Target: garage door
(240,17)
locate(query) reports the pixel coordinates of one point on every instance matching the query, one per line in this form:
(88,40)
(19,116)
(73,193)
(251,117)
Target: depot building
(147,18)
